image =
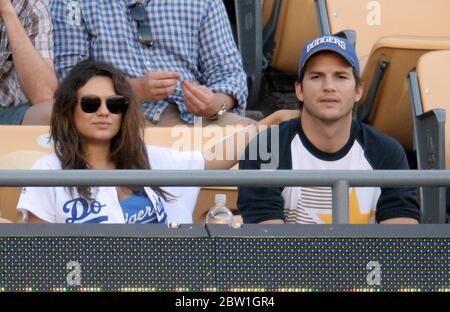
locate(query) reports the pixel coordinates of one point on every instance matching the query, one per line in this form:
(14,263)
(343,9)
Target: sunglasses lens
(117,104)
(137,12)
(90,104)
(145,35)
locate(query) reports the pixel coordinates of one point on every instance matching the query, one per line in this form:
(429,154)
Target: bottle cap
(220,198)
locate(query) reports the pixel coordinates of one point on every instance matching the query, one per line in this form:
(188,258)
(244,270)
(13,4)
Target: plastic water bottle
(220,214)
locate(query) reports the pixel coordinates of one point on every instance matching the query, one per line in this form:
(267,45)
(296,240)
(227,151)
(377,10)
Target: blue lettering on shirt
(140,209)
(80,209)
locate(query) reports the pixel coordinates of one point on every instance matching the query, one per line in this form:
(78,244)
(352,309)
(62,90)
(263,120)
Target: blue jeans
(13,115)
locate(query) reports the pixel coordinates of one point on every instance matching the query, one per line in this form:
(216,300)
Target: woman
(97,124)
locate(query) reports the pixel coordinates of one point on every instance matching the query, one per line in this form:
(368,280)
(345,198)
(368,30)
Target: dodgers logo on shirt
(160,213)
(142,216)
(82,211)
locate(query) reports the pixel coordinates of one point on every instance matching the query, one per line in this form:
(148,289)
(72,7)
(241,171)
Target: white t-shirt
(312,205)
(57,205)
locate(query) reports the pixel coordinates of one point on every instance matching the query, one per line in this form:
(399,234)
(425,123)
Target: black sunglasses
(138,13)
(116,104)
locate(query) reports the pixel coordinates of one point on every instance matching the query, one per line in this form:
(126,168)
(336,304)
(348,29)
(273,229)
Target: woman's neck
(98,156)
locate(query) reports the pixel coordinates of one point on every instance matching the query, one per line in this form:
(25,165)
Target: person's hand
(155,86)
(200,100)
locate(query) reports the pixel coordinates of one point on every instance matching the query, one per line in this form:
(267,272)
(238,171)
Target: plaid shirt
(192,37)
(35,19)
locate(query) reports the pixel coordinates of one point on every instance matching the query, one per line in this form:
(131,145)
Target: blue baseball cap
(339,45)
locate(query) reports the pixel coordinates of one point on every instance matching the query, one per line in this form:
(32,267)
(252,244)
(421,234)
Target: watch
(221,111)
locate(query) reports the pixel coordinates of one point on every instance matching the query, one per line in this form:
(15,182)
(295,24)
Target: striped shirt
(192,37)
(35,19)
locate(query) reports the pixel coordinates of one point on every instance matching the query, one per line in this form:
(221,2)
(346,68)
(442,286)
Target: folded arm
(35,73)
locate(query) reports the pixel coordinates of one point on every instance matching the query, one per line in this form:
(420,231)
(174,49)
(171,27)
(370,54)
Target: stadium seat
(10,195)
(430,99)
(29,143)
(384,28)
(249,41)
(297,23)
(390,103)
(25,145)
(271,34)
(373,20)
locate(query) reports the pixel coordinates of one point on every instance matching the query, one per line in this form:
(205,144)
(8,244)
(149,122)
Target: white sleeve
(170,159)
(40,201)
(180,209)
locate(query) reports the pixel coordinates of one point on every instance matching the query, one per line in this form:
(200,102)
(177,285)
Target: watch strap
(221,111)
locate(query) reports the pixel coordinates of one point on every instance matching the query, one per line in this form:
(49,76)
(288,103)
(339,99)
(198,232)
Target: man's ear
(299,91)
(359,92)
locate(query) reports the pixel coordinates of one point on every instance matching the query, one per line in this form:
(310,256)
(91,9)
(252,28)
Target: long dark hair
(128,150)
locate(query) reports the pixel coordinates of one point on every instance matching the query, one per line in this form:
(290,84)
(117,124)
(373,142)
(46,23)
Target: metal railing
(339,181)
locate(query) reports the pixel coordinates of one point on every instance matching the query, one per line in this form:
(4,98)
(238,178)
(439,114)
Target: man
(27,77)
(326,137)
(180,55)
